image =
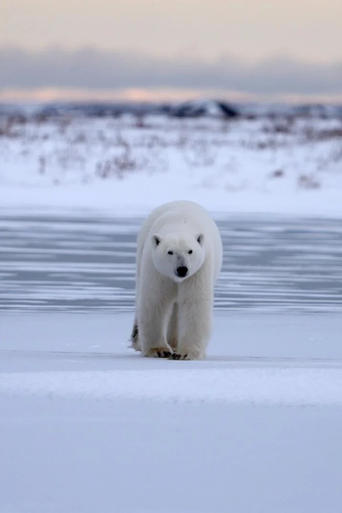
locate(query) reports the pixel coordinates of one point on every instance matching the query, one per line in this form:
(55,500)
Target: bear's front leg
(194,318)
(152,326)
(154,313)
(195,305)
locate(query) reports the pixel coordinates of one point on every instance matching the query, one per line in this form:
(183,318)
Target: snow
(256,385)
(278,165)
(271,370)
(89,425)
(134,457)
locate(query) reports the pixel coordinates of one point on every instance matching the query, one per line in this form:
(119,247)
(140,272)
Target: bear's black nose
(182,271)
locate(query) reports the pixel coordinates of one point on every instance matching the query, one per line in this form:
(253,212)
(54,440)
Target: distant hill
(190,109)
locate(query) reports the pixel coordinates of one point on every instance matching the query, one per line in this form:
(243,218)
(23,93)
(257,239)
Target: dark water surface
(80,263)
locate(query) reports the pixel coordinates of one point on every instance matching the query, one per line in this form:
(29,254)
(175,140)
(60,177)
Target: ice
(89,425)
(82,262)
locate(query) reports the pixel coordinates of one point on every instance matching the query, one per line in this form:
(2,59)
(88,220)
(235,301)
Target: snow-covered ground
(281,164)
(86,424)
(287,360)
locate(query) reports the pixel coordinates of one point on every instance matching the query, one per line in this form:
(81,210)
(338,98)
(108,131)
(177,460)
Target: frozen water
(84,262)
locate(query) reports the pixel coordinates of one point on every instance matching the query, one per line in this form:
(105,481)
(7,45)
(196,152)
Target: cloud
(89,68)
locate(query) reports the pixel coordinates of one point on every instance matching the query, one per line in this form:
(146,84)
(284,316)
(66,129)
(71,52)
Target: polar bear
(179,257)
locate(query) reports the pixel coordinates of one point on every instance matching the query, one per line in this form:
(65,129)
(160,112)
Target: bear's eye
(190,251)
(170,252)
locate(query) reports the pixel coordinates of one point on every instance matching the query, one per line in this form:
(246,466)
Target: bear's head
(178,256)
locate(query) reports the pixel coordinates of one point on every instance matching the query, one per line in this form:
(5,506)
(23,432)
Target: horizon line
(155,95)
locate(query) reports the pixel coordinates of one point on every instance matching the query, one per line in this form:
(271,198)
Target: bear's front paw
(187,356)
(158,352)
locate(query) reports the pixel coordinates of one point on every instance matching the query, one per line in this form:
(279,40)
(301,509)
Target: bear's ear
(200,239)
(156,240)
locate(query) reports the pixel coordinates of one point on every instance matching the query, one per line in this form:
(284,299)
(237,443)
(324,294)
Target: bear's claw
(164,354)
(158,353)
(178,356)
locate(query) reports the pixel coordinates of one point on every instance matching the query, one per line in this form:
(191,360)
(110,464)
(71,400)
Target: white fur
(173,313)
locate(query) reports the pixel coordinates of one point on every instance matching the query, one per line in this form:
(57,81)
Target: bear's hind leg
(135,337)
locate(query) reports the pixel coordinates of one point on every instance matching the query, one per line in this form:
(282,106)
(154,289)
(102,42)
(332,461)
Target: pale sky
(254,29)
(178,43)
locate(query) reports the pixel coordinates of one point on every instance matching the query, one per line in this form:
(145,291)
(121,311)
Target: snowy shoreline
(126,166)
